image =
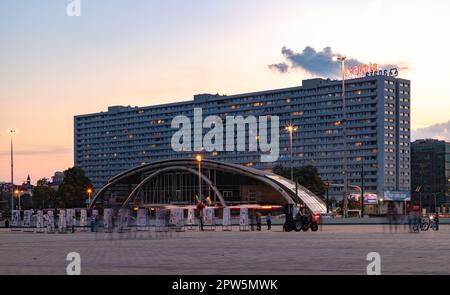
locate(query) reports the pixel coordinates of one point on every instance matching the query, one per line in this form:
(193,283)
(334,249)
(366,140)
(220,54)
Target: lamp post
(199,161)
(342,59)
(362,187)
(291,129)
(11,133)
(380,205)
(17,193)
(89,192)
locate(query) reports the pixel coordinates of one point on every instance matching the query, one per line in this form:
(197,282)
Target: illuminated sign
(369,70)
(397,196)
(369,198)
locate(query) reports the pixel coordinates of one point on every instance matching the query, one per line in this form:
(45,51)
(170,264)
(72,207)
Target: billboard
(176,217)
(243,217)
(15,221)
(399,196)
(62,225)
(191,216)
(40,220)
(107,219)
(141,219)
(226,219)
(27,216)
(208,216)
(83,218)
(369,198)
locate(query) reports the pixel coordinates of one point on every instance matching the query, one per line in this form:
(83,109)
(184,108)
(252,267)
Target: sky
(143,52)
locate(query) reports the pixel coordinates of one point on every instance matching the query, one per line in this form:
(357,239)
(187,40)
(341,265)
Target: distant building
(378,132)
(57,179)
(430,173)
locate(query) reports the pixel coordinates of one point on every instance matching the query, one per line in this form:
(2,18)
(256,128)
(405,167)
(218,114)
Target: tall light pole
(11,133)
(291,129)
(199,161)
(342,59)
(17,192)
(89,191)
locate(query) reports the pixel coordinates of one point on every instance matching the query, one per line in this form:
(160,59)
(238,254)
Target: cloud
(281,67)
(438,131)
(34,150)
(319,63)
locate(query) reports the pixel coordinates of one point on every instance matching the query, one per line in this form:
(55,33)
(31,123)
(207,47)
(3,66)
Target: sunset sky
(143,52)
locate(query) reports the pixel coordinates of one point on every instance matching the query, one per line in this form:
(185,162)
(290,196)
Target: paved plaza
(336,249)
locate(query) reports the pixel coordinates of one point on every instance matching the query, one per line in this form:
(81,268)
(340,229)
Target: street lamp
(89,192)
(11,133)
(17,193)
(199,159)
(342,59)
(291,129)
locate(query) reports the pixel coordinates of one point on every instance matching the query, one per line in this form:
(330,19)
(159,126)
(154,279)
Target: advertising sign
(62,225)
(15,220)
(107,219)
(83,218)
(369,199)
(124,216)
(208,216)
(399,196)
(50,221)
(160,217)
(176,217)
(141,220)
(243,217)
(27,216)
(191,216)
(69,217)
(226,220)
(40,220)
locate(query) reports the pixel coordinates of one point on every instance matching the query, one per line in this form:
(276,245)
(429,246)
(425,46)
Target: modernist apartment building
(378,132)
(430,173)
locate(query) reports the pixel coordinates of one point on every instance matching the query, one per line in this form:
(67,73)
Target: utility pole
(11,133)
(342,59)
(362,187)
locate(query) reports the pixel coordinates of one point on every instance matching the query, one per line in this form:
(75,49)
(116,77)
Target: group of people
(256,219)
(413,219)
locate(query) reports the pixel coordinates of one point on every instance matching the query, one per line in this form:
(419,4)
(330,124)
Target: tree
(43,195)
(72,191)
(306,176)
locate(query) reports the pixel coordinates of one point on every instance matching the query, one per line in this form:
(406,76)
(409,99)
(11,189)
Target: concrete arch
(175,168)
(292,193)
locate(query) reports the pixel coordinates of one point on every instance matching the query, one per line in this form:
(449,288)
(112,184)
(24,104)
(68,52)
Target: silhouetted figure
(269,221)
(258,221)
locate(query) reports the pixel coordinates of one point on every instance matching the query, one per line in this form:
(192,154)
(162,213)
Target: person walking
(269,221)
(201,222)
(258,221)
(92,223)
(74,223)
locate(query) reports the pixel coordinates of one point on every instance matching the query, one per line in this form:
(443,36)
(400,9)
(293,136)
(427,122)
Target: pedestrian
(92,223)
(269,221)
(201,221)
(7,223)
(258,221)
(436,221)
(74,222)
